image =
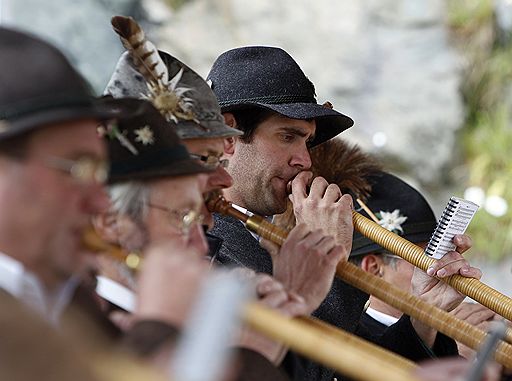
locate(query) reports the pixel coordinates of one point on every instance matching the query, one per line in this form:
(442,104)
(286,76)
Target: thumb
(271,247)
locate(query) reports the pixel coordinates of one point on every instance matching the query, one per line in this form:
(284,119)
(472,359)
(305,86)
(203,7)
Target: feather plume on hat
(165,94)
(340,163)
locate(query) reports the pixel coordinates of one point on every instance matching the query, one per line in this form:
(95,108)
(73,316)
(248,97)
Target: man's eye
(287,137)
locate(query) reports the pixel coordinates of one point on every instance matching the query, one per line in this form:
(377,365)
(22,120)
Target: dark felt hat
(400,207)
(190,88)
(269,77)
(145,146)
(38,86)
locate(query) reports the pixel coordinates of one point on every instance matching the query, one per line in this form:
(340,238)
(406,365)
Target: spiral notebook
(455,219)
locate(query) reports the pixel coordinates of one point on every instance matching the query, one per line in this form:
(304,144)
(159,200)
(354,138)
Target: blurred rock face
(387,63)
(81,29)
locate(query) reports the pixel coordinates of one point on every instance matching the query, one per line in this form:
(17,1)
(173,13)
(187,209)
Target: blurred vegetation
(176,4)
(487,133)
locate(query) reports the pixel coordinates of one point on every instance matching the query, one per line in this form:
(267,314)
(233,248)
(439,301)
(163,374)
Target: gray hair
(387,258)
(131,199)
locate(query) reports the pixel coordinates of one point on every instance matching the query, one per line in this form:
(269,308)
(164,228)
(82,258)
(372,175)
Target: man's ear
(229,119)
(120,230)
(372,264)
(229,146)
(105,225)
(229,143)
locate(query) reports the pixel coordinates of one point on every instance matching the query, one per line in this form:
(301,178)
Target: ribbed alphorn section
(476,290)
(428,314)
(313,342)
(333,333)
(411,305)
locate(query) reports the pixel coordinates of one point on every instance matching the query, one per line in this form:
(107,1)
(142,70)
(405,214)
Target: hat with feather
(178,92)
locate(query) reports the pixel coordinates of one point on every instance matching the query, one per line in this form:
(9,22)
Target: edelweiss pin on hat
(145,147)
(400,208)
(38,87)
(177,91)
(268,77)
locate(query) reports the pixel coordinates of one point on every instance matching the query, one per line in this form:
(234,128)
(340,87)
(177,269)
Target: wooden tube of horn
(428,314)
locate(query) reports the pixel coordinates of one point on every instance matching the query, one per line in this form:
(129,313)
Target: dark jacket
(342,307)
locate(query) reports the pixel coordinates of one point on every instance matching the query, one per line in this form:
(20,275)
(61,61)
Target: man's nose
(301,159)
(219,179)
(96,199)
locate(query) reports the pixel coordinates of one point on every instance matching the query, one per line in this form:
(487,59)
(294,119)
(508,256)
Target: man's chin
(276,205)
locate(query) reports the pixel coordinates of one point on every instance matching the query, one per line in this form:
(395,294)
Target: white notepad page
(455,219)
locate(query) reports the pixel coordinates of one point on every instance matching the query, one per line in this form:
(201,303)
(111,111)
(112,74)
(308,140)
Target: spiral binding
(435,248)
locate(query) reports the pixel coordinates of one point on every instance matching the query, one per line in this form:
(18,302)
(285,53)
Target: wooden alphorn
(428,314)
(310,337)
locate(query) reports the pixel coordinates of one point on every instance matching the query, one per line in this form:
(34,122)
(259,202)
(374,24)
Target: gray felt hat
(268,77)
(204,115)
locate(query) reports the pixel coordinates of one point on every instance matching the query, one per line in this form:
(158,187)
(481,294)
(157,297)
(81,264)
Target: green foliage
(469,15)
(176,4)
(487,146)
(487,133)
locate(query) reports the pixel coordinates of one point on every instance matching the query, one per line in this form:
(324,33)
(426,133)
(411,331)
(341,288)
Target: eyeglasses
(390,255)
(85,170)
(181,220)
(211,161)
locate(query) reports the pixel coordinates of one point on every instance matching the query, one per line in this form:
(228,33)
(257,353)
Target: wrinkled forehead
(177,192)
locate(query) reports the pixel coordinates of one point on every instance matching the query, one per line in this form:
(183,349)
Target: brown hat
(38,86)
(146,146)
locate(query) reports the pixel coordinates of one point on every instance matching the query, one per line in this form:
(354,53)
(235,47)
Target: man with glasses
(203,134)
(155,189)
(52,165)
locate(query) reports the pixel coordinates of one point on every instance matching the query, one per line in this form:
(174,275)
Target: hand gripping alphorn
(476,290)
(411,305)
(311,337)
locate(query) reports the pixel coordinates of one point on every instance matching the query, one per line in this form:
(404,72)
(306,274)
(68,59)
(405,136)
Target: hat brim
(189,130)
(186,167)
(100,109)
(329,122)
(362,245)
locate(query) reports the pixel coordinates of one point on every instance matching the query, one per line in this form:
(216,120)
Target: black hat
(400,208)
(38,86)
(269,77)
(146,146)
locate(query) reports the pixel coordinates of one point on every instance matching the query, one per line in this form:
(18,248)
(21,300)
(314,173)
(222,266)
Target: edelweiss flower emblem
(392,221)
(113,132)
(171,101)
(144,135)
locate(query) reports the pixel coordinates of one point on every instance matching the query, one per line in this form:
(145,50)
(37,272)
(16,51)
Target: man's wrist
(424,332)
